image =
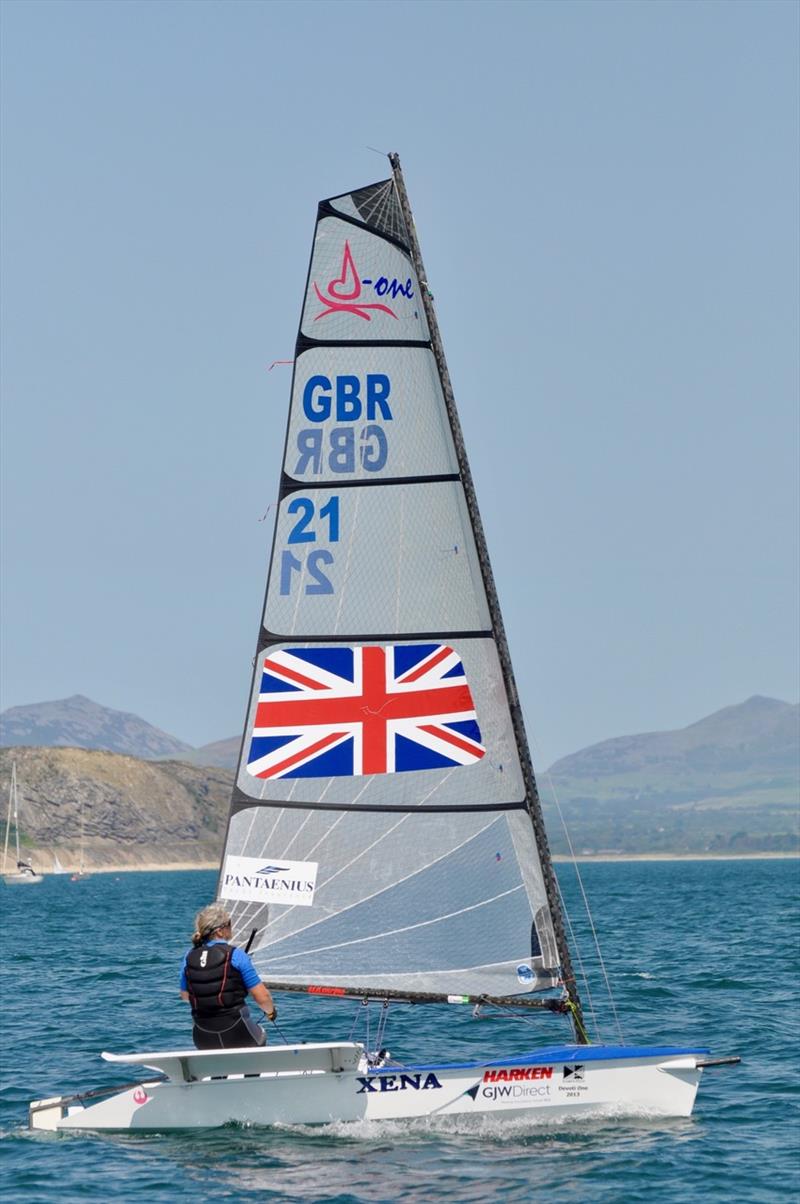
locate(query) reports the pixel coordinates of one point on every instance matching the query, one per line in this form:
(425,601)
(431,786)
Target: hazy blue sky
(606,196)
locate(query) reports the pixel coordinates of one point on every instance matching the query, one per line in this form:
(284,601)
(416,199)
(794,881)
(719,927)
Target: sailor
(216,978)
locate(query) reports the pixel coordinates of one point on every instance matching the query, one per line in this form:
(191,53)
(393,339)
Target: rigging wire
(573,940)
(384,1016)
(376,1054)
(283,1037)
(575,944)
(362,1004)
(505,1011)
(590,917)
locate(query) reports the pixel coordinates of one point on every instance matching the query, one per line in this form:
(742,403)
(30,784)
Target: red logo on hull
(517,1074)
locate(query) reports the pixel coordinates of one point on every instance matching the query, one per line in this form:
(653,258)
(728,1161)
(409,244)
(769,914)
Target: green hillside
(729,783)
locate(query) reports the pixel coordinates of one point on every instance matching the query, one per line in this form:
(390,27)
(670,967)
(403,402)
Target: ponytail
(207,921)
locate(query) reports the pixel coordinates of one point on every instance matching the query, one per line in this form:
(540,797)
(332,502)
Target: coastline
(146,867)
(560,859)
(765,856)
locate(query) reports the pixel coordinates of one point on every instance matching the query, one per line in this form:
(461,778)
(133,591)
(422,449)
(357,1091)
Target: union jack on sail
(344,712)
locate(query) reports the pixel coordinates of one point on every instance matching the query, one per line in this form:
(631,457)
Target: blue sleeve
(241,962)
(184,984)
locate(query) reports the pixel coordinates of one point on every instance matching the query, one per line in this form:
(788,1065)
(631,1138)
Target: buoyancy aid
(215,987)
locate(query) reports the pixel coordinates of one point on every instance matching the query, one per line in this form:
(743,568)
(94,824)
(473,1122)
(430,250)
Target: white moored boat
(385,840)
(23,873)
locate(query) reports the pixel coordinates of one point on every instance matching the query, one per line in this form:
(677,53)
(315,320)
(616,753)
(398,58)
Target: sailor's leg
(254,1030)
(207,1038)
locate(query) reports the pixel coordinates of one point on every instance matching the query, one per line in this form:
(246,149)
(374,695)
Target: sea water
(695,952)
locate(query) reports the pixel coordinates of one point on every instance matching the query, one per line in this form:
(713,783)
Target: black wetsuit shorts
(228,1031)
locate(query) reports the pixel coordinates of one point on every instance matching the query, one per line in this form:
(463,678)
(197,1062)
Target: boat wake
(489,1127)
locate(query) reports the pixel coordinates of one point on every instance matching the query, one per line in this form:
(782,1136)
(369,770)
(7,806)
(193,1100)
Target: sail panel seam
(294,640)
(305,342)
(293,485)
(242,802)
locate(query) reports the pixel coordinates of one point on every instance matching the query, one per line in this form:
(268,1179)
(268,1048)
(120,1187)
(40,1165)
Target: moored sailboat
(386,839)
(23,874)
(80,875)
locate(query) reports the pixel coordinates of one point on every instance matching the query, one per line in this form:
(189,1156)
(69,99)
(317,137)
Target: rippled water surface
(696,952)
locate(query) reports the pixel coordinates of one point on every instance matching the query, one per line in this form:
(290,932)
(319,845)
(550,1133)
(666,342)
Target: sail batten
(383,796)
(245,803)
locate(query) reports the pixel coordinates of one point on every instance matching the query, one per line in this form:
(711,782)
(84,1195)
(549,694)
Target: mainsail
(385,833)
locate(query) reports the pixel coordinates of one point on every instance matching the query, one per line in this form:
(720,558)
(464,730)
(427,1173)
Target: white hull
(321,1084)
(22,879)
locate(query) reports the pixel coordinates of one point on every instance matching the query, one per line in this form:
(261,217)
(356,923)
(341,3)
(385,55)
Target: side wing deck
(192,1065)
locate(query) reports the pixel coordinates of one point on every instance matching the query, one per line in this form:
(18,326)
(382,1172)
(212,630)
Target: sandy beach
(159,867)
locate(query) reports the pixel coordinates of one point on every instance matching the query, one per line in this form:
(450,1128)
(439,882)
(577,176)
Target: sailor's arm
(263,998)
(183,985)
(253,984)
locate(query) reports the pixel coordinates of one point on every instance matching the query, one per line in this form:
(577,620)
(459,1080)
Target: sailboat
(23,874)
(80,874)
(386,840)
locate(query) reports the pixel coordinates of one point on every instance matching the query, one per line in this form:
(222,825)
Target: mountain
(760,733)
(728,783)
(222,753)
(77,722)
(135,813)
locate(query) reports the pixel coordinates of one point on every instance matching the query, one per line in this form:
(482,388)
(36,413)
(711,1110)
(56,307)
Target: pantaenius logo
(290,883)
(345,293)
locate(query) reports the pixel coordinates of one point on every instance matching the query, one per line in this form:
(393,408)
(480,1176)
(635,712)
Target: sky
(606,196)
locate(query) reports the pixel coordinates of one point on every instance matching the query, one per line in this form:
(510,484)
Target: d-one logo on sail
(344,294)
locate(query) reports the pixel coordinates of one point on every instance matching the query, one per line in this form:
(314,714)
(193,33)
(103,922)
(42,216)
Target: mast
(11,795)
(14,798)
(532,801)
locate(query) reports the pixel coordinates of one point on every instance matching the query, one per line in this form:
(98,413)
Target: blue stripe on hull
(561,1053)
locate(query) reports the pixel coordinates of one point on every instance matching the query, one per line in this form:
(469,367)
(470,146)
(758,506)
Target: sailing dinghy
(385,839)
